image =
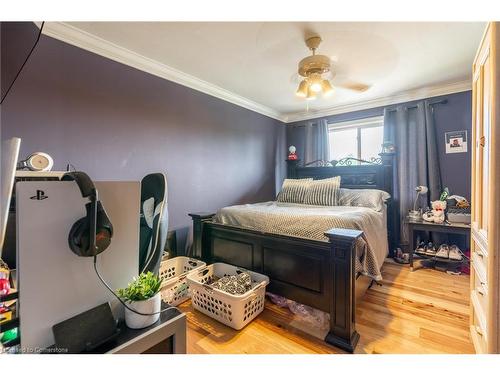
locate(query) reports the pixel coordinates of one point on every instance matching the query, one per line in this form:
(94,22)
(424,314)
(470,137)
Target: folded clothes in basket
(236,285)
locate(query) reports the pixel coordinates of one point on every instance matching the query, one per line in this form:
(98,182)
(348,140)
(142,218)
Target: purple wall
(116,122)
(119,123)
(456,114)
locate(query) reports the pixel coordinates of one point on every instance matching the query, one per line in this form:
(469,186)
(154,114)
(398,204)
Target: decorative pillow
(371,198)
(294,190)
(323,192)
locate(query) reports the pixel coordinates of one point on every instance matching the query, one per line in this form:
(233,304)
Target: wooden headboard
(359,174)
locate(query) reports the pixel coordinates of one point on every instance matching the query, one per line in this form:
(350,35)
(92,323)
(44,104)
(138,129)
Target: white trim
(371,121)
(405,96)
(82,39)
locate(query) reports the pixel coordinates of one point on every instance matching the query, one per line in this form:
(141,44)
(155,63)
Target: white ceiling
(255,61)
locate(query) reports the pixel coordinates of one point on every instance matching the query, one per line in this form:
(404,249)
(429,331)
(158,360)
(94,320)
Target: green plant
(141,288)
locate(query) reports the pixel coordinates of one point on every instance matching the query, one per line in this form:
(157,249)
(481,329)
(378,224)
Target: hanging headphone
(90,235)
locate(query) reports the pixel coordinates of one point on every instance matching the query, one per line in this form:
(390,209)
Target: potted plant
(142,295)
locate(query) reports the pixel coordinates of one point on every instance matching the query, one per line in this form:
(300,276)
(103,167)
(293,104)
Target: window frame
(358,124)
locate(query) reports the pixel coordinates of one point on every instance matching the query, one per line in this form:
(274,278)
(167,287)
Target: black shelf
(9,297)
(419,225)
(9,324)
(438,259)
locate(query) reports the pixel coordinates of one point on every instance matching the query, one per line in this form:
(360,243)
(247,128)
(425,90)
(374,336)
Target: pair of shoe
(449,252)
(426,249)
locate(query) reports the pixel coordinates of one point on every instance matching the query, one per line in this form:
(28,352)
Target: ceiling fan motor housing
(314,64)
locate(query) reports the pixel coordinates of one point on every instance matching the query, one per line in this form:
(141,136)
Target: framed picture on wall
(456,141)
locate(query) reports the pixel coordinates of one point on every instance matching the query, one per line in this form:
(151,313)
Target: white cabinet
(485,238)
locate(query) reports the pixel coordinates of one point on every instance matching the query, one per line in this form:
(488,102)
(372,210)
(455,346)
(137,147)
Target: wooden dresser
(485,234)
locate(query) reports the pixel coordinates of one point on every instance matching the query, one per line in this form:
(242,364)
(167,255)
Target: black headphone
(91,234)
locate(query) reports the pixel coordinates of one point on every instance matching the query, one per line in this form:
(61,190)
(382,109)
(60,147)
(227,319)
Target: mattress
(300,220)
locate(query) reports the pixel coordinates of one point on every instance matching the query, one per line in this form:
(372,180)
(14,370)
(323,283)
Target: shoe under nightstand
(418,225)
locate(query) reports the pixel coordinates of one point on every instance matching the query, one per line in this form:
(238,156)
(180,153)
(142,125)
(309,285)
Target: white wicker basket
(235,311)
(174,287)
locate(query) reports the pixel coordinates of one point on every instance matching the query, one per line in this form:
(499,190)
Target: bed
(322,268)
(311,222)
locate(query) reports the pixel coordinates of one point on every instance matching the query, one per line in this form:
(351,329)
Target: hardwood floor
(425,311)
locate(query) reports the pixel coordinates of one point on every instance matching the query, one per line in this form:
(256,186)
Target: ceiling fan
(316,74)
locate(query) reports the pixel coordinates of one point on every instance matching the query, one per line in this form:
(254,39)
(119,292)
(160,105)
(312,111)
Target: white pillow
(371,198)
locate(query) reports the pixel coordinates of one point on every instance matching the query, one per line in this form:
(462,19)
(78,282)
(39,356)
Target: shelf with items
(443,260)
(415,226)
(9,320)
(13,295)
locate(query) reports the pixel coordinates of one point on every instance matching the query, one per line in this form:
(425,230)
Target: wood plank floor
(425,311)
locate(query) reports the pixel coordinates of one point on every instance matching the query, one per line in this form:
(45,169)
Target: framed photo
(456,141)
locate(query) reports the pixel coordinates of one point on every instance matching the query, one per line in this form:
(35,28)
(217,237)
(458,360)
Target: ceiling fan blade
(354,86)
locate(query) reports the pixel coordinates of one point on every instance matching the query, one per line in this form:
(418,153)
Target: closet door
(485,204)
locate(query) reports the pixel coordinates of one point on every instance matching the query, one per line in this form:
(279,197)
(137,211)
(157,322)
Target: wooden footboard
(315,273)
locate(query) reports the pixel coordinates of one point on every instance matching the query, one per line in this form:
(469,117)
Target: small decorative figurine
(438,208)
(291,153)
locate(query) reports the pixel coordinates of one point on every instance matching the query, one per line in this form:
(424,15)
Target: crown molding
(82,39)
(402,97)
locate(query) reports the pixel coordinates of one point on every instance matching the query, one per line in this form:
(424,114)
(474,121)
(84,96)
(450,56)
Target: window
(360,139)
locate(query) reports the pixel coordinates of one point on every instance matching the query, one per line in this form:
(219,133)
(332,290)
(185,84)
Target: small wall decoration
(292,153)
(456,141)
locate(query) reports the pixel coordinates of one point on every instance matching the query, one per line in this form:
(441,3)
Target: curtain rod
(435,102)
(301,125)
(441,101)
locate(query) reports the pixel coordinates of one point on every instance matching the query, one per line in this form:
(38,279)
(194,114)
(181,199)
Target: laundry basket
(235,311)
(174,287)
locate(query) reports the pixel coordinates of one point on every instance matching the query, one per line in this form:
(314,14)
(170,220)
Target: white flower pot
(149,306)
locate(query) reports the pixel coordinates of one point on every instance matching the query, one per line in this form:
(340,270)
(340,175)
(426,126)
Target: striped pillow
(323,192)
(294,190)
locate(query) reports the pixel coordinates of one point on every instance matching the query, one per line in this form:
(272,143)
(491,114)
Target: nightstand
(415,226)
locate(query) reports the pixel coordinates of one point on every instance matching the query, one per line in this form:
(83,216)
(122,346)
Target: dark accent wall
(456,114)
(118,123)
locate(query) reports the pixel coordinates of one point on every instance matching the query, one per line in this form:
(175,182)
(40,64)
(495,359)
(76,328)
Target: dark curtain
(316,141)
(413,132)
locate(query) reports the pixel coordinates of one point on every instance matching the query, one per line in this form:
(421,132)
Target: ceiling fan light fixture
(315,83)
(327,87)
(302,89)
(311,95)
(315,87)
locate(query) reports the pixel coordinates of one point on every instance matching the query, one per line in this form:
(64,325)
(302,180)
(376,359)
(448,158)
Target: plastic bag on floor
(278,300)
(307,314)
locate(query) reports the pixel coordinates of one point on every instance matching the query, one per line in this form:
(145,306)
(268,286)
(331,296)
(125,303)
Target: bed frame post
(343,332)
(198,219)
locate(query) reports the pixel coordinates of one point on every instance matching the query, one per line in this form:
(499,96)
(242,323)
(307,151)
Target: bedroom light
(302,90)
(315,82)
(327,88)
(311,95)
(311,86)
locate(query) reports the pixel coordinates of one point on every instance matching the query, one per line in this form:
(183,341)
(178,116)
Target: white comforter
(311,222)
